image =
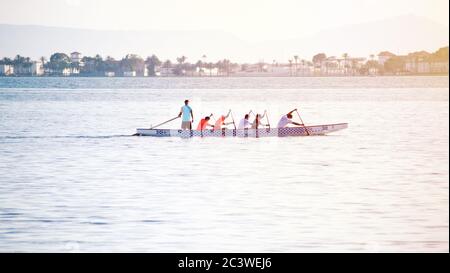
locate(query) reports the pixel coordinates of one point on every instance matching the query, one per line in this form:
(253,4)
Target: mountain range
(399,35)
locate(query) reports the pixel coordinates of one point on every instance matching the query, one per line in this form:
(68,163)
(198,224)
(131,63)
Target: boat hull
(254,133)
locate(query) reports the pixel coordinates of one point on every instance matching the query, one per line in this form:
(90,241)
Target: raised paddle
(306,129)
(215,120)
(267,117)
(234,124)
(153,127)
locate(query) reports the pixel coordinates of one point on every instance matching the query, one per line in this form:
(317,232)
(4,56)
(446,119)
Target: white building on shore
(384,56)
(165,71)
(6,69)
(206,71)
(37,68)
(76,57)
(66,72)
(129,73)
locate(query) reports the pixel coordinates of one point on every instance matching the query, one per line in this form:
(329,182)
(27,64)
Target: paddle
(153,127)
(306,129)
(267,117)
(234,124)
(213,117)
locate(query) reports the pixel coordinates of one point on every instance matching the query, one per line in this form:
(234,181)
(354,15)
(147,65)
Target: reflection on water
(73,179)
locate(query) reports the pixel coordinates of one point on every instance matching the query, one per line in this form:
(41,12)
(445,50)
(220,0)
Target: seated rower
(286,119)
(244,123)
(258,122)
(204,122)
(221,121)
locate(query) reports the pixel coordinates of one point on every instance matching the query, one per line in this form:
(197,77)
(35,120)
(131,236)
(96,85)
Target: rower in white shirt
(244,123)
(286,119)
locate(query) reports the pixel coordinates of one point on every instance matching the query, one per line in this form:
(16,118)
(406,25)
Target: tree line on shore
(98,66)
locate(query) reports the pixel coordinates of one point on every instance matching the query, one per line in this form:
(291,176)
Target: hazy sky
(251,20)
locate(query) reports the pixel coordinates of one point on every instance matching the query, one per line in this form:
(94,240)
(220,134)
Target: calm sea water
(72,178)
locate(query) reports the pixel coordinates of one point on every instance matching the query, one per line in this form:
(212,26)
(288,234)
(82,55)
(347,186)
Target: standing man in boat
(287,119)
(186,114)
(221,121)
(258,122)
(244,123)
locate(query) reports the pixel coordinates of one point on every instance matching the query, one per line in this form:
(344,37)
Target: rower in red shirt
(204,122)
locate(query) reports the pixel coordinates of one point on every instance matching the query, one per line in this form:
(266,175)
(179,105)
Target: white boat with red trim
(310,130)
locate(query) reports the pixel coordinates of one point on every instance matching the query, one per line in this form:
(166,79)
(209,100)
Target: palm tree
(6,60)
(220,67)
(224,65)
(296,59)
(199,65)
(181,61)
(345,56)
(204,61)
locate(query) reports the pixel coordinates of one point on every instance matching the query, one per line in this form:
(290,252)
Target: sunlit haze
(251,20)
